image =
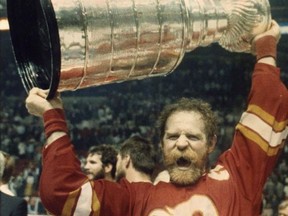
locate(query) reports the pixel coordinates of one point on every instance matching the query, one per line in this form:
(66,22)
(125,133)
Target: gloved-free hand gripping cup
(72,44)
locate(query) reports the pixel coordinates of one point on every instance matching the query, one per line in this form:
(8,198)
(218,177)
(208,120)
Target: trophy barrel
(65,45)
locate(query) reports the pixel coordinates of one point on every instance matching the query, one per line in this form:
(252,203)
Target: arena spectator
(9,204)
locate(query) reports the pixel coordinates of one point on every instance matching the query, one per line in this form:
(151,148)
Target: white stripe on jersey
(85,200)
(263,129)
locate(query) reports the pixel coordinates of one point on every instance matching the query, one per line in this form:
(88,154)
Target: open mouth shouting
(183,163)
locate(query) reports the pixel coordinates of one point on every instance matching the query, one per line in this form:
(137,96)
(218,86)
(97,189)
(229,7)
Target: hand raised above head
(273,30)
(37,104)
(264,45)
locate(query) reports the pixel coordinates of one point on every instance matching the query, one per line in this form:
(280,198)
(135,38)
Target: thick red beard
(184,176)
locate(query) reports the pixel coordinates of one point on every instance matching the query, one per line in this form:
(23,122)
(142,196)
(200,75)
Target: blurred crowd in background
(110,114)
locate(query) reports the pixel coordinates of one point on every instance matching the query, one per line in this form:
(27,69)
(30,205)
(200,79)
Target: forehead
(94,157)
(185,121)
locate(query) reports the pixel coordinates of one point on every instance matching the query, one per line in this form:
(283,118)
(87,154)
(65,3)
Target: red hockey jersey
(234,187)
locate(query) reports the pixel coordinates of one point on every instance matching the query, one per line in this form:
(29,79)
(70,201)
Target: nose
(86,166)
(182,142)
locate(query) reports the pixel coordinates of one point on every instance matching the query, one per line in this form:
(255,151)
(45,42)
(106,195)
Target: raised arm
(262,130)
(37,105)
(264,45)
(61,178)
(64,189)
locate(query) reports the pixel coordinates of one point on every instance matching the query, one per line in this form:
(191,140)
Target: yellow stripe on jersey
(263,129)
(84,203)
(256,124)
(277,126)
(95,203)
(70,202)
(85,200)
(264,145)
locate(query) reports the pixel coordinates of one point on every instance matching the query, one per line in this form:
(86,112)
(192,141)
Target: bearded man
(188,135)
(101,162)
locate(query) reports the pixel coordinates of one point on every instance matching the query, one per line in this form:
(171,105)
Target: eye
(93,162)
(192,137)
(172,137)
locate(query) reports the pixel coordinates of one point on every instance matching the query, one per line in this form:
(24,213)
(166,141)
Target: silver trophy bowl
(64,45)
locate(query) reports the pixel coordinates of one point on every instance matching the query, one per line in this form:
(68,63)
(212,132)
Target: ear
(108,168)
(127,161)
(212,145)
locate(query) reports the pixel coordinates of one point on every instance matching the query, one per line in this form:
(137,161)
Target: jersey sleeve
(260,133)
(65,190)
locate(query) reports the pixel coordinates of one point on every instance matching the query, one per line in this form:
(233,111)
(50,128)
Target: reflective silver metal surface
(107,41)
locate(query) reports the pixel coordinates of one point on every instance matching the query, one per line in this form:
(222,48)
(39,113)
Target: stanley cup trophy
(72,44)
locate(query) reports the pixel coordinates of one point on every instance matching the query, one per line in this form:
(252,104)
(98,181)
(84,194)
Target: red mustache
(180,157)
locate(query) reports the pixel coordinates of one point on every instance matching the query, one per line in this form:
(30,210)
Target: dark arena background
(111,113)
